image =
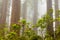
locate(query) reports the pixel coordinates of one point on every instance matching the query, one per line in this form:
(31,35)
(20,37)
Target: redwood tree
(3,16)
(56,13)
(50,13)
(35,15)
(15,14)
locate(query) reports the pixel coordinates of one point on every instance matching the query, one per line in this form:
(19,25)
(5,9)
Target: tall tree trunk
(50,13)
(15,15)
(0,6)
(25,10)
(56,13)
(35,15)
(24,14)
(3,16)
(56,16)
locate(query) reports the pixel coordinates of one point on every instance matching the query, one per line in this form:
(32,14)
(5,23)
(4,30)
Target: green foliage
(16,26)
(29,33)
(50,11)
(23,21)
(48,36)
(35,37)
(57,33)
(23,38)
(11,36)
(41,23)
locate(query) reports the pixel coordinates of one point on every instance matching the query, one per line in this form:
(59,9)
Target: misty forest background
(29,19)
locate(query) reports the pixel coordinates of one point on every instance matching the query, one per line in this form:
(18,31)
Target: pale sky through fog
(41,7)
